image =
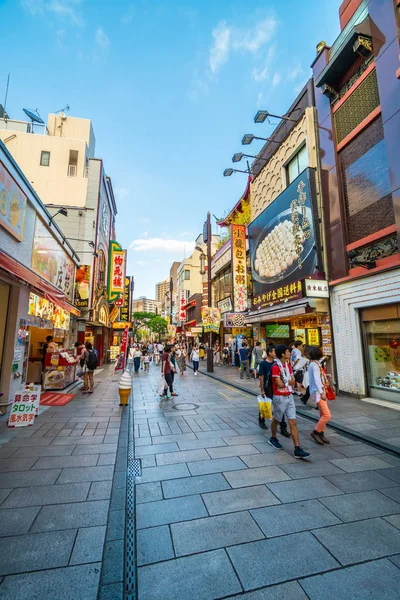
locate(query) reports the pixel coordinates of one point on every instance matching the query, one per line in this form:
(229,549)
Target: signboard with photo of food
(12,205)
(282,241)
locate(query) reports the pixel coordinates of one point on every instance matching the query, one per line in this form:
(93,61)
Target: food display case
(59,369)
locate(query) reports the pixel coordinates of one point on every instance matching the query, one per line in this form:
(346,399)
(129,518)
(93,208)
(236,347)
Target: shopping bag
(265,407)
(161,385)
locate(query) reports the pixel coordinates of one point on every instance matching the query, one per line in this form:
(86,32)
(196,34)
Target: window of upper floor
(73,163)
(187,274)
(296,165)
(45,158)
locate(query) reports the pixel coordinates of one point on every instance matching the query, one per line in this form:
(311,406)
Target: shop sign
(234,320)
(242,331)
(43,309)
(114,313)
(300,334)
(282,242)
(182,304)
(225,305)
(51,262)
(313,337)
(291,291)
(82,286)
(196,330)
(239,267)
(326,334)
(124,311)
(211,318)
(12,205)
(23,408)
(121,324)
(120,366)
(277,331)
(116,271)
(316,288)
(103,316)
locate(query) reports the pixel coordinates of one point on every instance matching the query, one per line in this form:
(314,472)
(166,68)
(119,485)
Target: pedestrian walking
(181,359)
(137,356)
(244,360)
(318,383)
(225,355)
(256,358)
(156,355)
(296,360)
(282,400)
(265,371)
(146,361)
(217,355)
(202,351)
(90,361)
(195,358)
(167,370)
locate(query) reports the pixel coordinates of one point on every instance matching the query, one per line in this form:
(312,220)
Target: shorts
(283,406)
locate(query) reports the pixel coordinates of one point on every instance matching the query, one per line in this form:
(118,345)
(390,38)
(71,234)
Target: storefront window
(383,353)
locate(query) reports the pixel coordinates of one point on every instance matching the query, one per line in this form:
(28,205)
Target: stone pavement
(61,517)
(374,422)
(221,514)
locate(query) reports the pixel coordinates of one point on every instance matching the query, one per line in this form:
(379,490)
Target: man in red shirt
(282,400)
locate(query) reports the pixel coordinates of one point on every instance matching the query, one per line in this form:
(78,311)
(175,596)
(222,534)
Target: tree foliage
(148,321)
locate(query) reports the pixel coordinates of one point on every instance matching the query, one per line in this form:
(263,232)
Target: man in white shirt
(295,357)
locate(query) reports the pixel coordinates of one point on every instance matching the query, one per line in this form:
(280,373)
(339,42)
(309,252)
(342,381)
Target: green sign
(277,331)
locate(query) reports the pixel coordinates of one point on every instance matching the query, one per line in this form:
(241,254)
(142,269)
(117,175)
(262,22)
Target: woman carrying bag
(320,392)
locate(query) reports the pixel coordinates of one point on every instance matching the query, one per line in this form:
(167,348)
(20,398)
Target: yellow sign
(313,337)
(121,325)
(12,205)
(239,267)
(211,318)
(116,271)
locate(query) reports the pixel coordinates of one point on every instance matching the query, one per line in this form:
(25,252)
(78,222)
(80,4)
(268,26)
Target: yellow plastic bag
(265,408)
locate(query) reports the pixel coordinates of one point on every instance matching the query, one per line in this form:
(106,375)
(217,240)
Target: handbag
(265,407)
(329,391)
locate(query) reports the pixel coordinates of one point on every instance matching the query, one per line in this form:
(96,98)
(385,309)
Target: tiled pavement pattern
(381,423)
(221,514)
(55,495)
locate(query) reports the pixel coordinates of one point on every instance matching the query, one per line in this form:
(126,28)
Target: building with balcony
(144,304)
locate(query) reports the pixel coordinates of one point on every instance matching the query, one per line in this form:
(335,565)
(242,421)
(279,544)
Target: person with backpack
(89,362)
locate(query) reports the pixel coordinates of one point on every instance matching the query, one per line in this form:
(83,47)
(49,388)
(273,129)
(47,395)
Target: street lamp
(228,172)
(262,115)
(239,155)
(207,239)
(249,137)
(62,211)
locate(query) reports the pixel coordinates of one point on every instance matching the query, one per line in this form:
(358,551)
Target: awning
(51,293)
(191,323)
(190,304)
(279,312)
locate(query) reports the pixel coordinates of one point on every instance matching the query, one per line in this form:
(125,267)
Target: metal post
(210,357)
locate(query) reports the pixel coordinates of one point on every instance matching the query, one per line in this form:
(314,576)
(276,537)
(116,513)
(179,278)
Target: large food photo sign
(282,244)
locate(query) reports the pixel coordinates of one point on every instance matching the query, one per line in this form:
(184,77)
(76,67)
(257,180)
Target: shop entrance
(381,337)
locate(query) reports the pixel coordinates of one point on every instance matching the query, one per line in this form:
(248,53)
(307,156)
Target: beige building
(144,304)
(161,289)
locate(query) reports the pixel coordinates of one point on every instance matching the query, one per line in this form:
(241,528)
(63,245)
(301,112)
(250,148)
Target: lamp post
(207,230)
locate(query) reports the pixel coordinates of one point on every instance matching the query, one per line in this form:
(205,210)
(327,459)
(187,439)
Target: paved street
(58,508)
(221,513)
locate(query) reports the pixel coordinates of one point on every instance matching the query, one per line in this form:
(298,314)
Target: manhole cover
(185,406)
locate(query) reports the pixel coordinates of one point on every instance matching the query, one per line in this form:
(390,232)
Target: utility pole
(210,357)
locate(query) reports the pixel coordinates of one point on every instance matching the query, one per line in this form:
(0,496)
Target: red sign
(120,366)
(182,304)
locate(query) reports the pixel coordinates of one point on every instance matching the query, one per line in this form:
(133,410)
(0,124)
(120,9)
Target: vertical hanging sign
(124,313)
(182,304)
(116,272)
(239,269)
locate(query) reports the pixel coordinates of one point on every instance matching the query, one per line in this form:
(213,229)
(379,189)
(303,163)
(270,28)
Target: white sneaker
(195,372)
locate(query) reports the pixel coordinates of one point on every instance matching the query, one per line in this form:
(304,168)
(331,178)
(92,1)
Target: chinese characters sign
(316,288)
(116,272)
(182,304)
(283,245)
(124,310)
(211,318)
(291,291)
(82,286)
(225,305)
(239,270)
(12,205)
(24,408)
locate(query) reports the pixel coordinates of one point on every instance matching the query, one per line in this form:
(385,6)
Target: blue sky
(171,87)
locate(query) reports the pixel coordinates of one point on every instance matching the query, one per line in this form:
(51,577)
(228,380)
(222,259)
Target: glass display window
(383,354)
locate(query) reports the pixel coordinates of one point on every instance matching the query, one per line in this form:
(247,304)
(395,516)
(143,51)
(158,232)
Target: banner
(211,318)
(283,244)
(239,268)
(120,366)
(12,205)
(182,304)
(82,286)
(116,271)
(124,311)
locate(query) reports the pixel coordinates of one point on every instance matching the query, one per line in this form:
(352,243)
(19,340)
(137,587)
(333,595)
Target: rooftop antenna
(63,110)
(34,117)
(5,99)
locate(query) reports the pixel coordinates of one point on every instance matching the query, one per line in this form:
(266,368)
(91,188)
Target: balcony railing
(72,170)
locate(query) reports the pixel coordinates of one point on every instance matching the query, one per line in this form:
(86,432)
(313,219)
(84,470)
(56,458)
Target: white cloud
(219,52)
(128,16)
(102,40)
(262,74)
(66,9)
(276,79)
(198,87)
(169,246)
(121,192)
(253,39)
(295,72)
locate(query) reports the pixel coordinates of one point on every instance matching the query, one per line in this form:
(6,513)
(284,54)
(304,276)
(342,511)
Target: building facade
(37,275)
(144,304)
(161,289)
(357,94)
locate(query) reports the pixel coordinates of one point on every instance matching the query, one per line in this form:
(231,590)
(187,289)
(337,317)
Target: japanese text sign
(283,243)
(182,304)
(116,271)
(124,310)
(239,268)
(24,408)
(316,288)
